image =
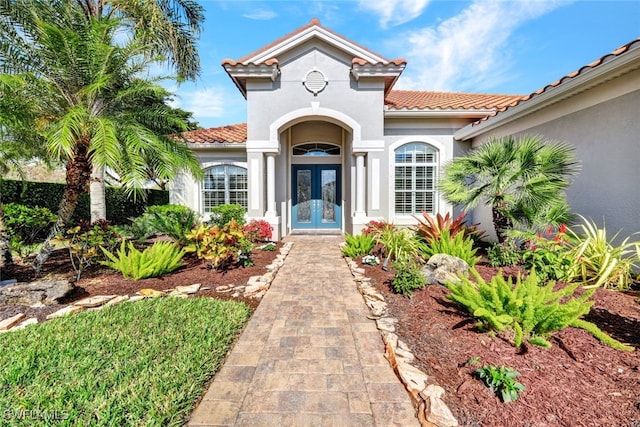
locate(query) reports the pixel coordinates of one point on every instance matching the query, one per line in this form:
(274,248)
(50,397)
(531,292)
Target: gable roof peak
(307,32)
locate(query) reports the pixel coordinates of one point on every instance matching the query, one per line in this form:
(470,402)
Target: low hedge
(120,207)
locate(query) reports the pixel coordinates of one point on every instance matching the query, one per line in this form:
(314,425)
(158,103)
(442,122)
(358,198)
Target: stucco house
(329,144)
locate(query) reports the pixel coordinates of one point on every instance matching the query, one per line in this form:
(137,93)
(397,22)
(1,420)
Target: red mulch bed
(577,382)
(99,280)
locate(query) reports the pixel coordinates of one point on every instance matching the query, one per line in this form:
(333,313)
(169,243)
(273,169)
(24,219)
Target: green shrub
(27,224)
(501,380)
(84,243)
(120,205)
(548,253)
(399,245)
(531,311)
(173,221)
(460,246)
(223,214)
(407,278)
(600,263)
(504,254)
(268,247)
(156,260)
(358,245)
(220,246)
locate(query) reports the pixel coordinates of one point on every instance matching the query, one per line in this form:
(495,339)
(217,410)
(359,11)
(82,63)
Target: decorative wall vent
(315,81)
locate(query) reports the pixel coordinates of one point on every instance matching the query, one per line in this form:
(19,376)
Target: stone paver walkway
(309,355)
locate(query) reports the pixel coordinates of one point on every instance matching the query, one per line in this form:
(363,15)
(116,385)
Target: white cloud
(470,51)
(394,12)
(260,15)
(203,103)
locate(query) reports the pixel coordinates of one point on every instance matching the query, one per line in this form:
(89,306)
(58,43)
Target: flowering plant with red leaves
(377,227)
(258,230)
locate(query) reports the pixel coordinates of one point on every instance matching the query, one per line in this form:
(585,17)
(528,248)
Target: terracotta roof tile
(413,99)
(617,52)
(225,134)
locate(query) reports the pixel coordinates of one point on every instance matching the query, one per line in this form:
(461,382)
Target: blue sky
(482,46)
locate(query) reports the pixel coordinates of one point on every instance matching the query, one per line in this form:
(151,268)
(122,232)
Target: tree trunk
(501,222)
(77,177)
(5,243)
(97,195)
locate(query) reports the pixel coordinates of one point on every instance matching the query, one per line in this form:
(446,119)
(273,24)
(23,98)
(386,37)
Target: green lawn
(134,364)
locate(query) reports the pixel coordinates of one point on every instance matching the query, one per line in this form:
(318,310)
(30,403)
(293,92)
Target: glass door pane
(328,180)
(303,191)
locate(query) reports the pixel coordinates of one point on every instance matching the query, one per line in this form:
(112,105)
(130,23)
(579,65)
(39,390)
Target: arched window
(224,184)
(316,149)
(415,172)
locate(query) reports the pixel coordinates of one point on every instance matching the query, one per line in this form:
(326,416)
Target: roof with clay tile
(598,62)
(225,134)
(315,22)
(421,100)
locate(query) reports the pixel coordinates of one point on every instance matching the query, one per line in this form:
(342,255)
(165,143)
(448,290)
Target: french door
(316,197)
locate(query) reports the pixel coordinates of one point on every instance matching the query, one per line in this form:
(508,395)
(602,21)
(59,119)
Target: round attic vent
(315,81)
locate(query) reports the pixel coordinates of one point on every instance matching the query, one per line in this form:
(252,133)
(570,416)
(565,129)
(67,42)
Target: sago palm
(94,107)
(522,179)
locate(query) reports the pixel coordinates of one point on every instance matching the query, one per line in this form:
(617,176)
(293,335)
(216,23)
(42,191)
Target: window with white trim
(415,172)
(224,184)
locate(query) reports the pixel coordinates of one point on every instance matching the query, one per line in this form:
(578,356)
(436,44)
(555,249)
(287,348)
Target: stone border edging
(256,287)
(432,411)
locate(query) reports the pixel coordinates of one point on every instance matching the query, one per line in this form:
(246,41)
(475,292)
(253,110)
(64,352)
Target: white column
(271,185)
(360,185)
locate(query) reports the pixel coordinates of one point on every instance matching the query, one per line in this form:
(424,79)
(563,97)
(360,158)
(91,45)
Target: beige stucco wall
(603,124)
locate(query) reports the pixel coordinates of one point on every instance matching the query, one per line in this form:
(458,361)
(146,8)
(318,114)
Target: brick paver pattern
(309,356)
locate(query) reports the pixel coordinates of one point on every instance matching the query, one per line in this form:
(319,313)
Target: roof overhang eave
(322,34)
(612,68)
(216,145)
(240,72)
(438,113)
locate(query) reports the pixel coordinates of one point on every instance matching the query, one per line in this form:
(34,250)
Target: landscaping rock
(9,323)
(70,309)
(45,291)
(31,321)
(438,412)
(95,301)
(189,290)
(117,300)
(443,268)
(137,298)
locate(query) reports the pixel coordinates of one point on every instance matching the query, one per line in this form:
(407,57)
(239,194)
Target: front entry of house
(316,197)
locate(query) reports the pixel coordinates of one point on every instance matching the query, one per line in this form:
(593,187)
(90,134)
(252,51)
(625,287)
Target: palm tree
(167,28)
(522,179)
(17,142)
(94,107)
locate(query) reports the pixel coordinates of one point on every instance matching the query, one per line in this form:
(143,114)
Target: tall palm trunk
(501,222)
(77,177)
(5,242)
(97,195)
